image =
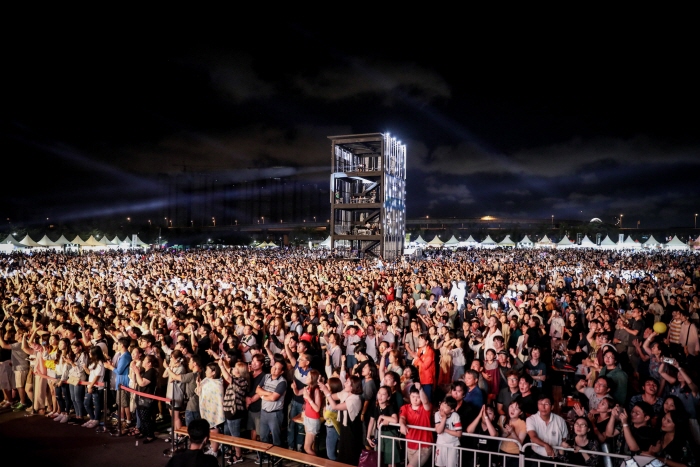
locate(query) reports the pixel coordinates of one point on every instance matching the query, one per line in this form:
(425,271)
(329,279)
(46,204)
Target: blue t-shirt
(475,398)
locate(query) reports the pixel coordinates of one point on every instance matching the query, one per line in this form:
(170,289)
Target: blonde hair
(446,363)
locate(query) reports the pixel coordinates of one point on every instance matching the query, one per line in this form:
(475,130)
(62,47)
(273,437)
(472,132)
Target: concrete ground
(39,441)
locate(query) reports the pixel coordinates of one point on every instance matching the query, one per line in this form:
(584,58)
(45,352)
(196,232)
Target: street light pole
(621,220)
(696,221)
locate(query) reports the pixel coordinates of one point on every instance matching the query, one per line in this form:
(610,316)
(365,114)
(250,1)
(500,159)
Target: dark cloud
(521,131)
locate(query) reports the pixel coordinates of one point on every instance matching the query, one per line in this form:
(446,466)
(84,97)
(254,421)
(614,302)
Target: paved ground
(39,441)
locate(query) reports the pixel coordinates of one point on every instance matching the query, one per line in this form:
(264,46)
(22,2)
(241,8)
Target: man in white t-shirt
(448,426)
(546,429)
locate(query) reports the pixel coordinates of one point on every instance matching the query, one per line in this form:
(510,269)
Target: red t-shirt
(420,417)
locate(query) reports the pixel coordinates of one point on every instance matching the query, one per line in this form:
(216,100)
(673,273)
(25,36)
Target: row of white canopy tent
(11,244)
(546,242)
(268,245)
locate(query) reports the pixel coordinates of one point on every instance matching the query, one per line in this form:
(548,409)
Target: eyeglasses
(581,425)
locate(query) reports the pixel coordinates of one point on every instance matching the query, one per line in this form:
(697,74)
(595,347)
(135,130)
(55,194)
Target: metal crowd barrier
(118,431)
(472,457)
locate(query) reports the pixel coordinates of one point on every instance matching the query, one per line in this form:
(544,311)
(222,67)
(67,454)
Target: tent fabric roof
(27,240)
(140,242)
(651,241)
(12,241)
(436,241)
(631,243)
(62,240)
(545,240)
(104,241)
(471,240)
(587,241)
(452,241)
(507,241)
(420,240)
(488,241)
(565,241)
(46,241)
(526,240)
(607,242)
(92,242)
(79,241)
(676,242)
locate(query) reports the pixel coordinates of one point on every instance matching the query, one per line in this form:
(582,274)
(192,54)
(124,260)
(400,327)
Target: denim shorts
(312,425)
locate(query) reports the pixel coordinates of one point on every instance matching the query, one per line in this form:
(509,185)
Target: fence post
(103,428)
(119,412)
(379,446)
(170,452)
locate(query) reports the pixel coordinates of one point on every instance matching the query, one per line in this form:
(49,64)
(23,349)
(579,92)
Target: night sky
(508,121)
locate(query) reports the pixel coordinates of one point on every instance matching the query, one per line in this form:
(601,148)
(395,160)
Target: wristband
(624,425)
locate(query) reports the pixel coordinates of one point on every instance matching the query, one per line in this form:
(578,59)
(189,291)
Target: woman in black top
(146,381)
(382,414)
(582,438)
(673,446)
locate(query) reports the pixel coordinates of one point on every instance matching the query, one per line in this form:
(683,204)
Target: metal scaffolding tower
(368,194)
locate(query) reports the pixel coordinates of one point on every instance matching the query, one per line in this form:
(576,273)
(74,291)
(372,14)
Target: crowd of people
(577,352)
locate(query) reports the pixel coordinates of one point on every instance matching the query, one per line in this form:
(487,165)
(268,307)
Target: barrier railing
(105,386)
(168,452)
(118,432)
(472,457)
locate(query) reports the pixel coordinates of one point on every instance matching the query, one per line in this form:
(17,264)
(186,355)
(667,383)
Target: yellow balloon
(659,328)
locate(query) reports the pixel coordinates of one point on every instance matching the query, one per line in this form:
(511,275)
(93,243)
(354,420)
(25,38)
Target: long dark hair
(66,348)
(96,355)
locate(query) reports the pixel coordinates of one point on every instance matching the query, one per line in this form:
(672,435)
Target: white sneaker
(94,423)
(211,452)
(58,418)
(64,418)
(86,424)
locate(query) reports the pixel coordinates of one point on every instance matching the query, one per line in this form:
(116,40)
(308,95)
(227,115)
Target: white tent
(452,242)
(27,241)
(587,243)
(62,240)
(47,242)
(262,245)
(651,243)
(272,245)
(565,243)
(92,242)
(469,242)
(545,242)
(140,243)
(526,242)
(10,244)
(488,242)
(630,243)
(420,241)
(676,244)
(506,242)
(78,241)
(608,244)
(326,243)
(435,242)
